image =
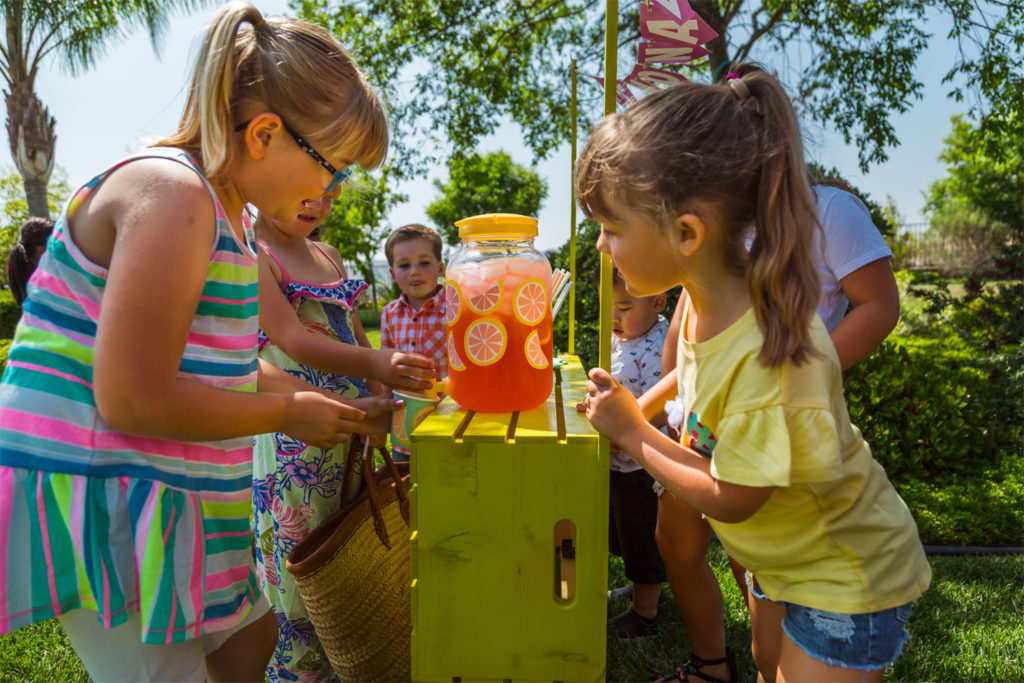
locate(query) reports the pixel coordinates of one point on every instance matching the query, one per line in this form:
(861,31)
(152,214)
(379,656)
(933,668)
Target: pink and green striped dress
(119,524)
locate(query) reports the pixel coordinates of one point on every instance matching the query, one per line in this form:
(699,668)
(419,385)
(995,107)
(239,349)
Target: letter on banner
(662,30)
(650,79)
(650,53)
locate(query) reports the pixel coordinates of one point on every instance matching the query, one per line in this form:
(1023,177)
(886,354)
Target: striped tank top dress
(120,524)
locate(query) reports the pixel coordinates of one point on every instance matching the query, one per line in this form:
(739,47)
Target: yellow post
(572,215)
(611,45)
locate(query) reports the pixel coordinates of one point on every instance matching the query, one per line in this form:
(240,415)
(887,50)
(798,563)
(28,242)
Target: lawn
(967,627)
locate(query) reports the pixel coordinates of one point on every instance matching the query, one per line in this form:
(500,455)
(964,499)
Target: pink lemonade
(499,333)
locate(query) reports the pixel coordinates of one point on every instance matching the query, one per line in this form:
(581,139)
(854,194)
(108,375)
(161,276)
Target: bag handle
(372,482)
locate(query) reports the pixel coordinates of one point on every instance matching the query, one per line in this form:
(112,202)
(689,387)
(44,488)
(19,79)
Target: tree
(985,178)
(456,69)
(490,183)
(357,224)
(75,34)
(14,209)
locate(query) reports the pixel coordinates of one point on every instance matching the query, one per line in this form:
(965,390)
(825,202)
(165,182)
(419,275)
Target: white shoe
(619,593)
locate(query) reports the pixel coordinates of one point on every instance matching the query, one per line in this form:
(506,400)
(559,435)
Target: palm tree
(74,33)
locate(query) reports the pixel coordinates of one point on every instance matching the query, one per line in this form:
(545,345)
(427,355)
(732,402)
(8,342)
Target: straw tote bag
(352,572)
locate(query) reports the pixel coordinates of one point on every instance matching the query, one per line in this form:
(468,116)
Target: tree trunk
(30,131)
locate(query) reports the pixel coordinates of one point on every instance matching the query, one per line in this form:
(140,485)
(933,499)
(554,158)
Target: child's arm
(652,402)
(875,300)
(278,320)
(152,221)
(683,472)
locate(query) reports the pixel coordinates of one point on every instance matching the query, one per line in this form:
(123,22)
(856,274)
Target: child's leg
(797,643)
(766,635)
(634,516)
(245,654)
(118,654)
(683,537)
(797,665)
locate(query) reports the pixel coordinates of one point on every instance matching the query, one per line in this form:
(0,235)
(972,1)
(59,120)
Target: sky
(104,113)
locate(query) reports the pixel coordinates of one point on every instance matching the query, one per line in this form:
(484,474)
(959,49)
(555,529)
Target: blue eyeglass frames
(338,176)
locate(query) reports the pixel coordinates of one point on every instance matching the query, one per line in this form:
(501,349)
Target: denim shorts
(865,642)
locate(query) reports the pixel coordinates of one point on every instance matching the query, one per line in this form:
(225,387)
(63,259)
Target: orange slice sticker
(488,301)
(485,341)
(535,352)
(531,302)
(454,362)
(452,302)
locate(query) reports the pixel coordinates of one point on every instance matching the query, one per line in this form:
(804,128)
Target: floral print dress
(296,486)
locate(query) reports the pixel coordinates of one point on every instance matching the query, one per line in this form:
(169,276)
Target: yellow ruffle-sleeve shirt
(834,535)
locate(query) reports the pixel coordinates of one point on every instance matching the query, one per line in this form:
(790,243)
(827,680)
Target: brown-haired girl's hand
(610,407)
(403,371)
(378,411)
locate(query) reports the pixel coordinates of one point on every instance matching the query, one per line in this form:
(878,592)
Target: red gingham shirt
(413,331)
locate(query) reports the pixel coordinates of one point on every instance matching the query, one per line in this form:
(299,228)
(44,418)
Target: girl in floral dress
(309,329)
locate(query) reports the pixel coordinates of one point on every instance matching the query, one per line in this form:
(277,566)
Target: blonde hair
(736,149)
(296,69)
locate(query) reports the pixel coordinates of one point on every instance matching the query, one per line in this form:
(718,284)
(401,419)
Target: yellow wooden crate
(497,592)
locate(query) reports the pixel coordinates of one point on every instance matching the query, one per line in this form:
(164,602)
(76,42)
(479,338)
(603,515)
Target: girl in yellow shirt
(768,454)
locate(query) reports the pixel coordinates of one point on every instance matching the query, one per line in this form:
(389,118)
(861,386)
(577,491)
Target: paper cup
(404,420)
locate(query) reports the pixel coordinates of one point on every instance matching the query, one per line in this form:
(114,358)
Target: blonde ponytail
(249,63)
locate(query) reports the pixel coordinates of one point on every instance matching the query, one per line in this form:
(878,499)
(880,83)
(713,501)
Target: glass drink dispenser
(498,314)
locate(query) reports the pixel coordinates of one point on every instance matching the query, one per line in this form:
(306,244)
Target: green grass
(373,334)
(967,627)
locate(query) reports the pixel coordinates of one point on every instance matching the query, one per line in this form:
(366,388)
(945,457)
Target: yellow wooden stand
(510,542)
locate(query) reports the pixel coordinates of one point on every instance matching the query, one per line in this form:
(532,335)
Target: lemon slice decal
(485,341)
(454,362)
(531,302)
(489,300)
(534,352)
(398,432)
(452,302)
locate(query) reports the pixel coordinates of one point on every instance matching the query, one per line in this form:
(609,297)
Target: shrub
(982,509)
(5,344)
(369,316)
(9,314)
(929,408)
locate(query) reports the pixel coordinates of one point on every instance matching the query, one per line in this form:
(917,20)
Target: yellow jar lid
(497,225)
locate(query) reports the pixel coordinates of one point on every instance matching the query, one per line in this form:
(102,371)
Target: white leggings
(118,654)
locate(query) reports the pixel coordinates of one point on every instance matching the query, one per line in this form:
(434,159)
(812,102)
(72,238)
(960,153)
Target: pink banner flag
(623,95)
(650,79)
(662,30)
(678,54)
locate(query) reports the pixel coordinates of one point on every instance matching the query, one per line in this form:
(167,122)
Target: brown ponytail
(784,286)
(737,148)
(20,263)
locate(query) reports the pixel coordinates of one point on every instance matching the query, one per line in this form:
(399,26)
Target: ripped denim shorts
(865,642)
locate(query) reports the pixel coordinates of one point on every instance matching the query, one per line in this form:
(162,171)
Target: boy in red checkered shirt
(414,322)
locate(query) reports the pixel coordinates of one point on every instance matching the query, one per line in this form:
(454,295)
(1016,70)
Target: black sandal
(695,664)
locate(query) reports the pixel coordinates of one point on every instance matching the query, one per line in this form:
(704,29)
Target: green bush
(9,314)
(930,408)
(369,317)
(5,344)
(983,508)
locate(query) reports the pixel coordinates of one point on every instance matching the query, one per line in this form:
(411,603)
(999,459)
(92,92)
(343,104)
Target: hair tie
(742,91)
(259,24)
